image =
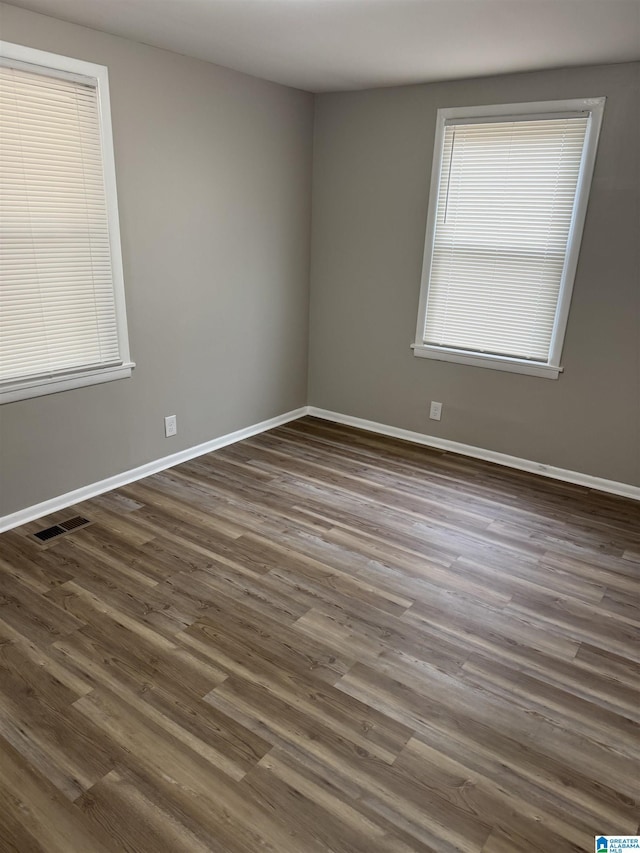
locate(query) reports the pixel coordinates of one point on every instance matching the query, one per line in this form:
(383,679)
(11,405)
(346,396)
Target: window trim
(550,369)
(56,65)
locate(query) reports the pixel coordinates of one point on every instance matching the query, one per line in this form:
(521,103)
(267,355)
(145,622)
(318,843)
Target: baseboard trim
(31,513)
(84,493)
(597,483)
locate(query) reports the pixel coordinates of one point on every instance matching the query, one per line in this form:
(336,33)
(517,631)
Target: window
(508,199)
(62,310)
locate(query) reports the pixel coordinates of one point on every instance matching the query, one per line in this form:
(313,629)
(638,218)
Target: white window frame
(65,67)
(539,109)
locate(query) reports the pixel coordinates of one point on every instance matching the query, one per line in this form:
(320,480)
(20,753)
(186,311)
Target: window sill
(24,390)
(511,365)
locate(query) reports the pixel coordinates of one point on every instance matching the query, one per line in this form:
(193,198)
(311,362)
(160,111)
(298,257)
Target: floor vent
(59,529)
(49,532)
(72,523)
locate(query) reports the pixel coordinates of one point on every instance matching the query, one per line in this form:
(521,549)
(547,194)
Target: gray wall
(372,164)
(214,174)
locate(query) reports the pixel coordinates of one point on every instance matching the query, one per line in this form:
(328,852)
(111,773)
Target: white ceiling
(328,45)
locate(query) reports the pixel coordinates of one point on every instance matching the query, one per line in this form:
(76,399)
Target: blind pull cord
(446,200)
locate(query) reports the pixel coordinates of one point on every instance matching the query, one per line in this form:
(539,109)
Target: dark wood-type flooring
(323,640)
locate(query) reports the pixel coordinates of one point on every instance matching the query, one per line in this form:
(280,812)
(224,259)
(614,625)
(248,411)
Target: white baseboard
(31,513)
(85,492)
(599,483)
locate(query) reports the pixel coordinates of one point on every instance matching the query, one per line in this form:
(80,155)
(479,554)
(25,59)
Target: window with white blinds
(506,214)
(62,321)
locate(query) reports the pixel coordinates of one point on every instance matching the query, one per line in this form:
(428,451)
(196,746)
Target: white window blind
(506,198)
(58,312)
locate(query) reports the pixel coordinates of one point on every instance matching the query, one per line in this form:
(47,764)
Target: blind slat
(505,204)
(57,307)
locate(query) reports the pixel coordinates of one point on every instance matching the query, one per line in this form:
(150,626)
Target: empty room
(319,426)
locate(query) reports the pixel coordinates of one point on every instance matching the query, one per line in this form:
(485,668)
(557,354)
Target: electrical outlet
(170,425)
(435,412)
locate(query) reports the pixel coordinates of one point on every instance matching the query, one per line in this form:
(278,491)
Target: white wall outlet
(170,425)
(435,412)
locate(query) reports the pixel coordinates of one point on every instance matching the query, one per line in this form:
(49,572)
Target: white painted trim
(31,513)
(97,76)
(52,384)
(495,362)
(599,483)
(594,108)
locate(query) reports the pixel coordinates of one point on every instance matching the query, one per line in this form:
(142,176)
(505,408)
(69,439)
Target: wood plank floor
(323,640)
